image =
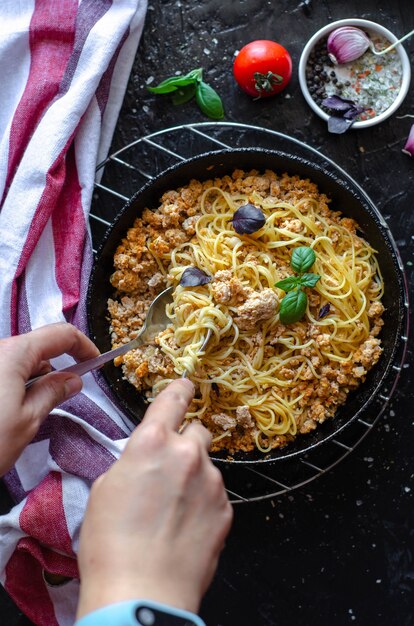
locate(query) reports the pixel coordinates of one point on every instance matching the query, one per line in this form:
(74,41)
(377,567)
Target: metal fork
(202,348)
(155,322)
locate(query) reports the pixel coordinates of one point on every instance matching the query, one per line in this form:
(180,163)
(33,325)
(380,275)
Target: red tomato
(262,68)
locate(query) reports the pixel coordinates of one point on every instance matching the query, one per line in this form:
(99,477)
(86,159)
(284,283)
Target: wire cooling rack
(124,172)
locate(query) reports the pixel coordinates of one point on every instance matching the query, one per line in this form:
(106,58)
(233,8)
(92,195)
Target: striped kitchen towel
(64,66)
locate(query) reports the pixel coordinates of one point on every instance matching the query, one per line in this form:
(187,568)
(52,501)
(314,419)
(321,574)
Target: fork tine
(203,346)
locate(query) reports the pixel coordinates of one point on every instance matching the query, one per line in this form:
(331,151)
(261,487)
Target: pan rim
(367,205)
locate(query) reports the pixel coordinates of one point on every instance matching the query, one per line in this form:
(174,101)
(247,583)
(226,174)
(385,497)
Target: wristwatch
(140,613)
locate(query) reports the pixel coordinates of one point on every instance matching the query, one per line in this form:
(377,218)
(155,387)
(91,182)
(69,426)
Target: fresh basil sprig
(293,305)
(184,88)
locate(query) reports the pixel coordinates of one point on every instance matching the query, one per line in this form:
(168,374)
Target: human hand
(157,520)
(23,357)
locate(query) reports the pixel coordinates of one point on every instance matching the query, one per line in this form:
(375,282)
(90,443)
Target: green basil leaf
(183,94)
(309,280)
(289,283)
(172,84)
(302,259)
(293,306)
(209,101)
(167,86)
(195,75)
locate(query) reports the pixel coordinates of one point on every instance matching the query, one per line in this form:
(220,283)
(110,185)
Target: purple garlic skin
(346,44)
(409,146)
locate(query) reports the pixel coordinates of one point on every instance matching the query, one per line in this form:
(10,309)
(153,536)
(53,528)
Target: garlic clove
(409,146)
(346,44)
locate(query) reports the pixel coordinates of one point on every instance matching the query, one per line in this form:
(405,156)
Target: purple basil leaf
(248,219)
(215,388)
(193,277)
(339,125)
(353,112)
(324,311)
(336,103)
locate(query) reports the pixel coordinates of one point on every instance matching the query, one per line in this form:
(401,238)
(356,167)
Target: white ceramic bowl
(364,24)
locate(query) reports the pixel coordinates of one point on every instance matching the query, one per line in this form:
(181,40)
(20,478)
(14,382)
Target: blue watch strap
(140,613)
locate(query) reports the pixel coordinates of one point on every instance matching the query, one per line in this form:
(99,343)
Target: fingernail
(72,386)
(188,383)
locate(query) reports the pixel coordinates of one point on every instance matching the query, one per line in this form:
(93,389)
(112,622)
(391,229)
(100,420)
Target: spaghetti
(259,383)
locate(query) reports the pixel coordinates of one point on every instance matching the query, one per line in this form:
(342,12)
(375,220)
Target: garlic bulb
(409,146)
(346,44)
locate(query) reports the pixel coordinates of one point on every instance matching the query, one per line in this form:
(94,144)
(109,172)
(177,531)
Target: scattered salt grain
(407,489)
(206,51)
(149,80)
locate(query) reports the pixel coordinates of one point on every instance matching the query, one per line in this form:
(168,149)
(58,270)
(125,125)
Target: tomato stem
(265,82)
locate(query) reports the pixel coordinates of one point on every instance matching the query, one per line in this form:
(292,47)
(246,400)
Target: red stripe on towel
(51,37)
(25,584)
(43,515)
(43,520)
(55,179)
(69,231)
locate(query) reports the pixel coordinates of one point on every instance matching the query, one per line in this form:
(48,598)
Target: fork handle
(86,366)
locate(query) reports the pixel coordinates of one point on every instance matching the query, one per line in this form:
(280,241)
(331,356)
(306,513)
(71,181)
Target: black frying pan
(346,196)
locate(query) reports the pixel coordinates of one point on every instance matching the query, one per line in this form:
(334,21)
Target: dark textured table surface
(339,550)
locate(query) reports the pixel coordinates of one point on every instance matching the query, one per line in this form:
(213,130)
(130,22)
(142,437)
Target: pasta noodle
(259,382)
